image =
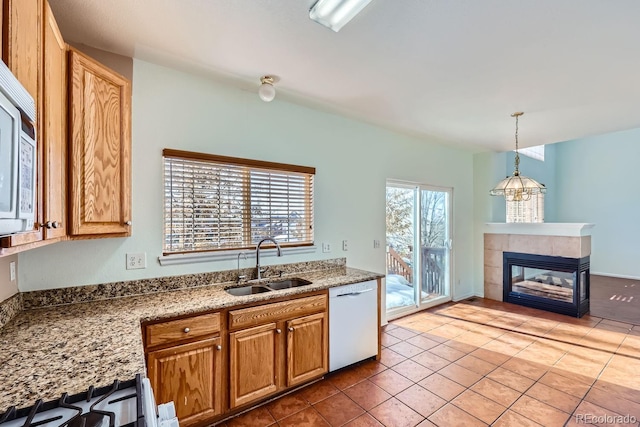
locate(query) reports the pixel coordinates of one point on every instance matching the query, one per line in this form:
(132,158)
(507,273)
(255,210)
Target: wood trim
(174,330)
(190,155)
(379,355)
(274,312)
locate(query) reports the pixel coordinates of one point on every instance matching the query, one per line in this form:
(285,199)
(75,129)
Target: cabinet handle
(219,347)
(186,330)
(127,222)
(278,331)
(290,328)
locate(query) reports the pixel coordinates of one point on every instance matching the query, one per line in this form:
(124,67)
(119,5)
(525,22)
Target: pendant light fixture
(266,91)
(517,188)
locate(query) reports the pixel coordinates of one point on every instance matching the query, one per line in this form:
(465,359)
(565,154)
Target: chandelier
(517,188)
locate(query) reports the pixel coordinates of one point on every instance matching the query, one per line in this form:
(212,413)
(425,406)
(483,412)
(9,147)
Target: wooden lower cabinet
(190,375)
(253,363)
(256,361)
(213,365)
(307,350)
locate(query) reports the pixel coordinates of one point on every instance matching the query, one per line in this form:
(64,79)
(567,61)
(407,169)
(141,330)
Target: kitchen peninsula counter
(47,351)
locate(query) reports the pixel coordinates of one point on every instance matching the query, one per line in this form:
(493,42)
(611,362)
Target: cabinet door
(54,133)
(21,51)
(306,348)
(253,363)
(190,376)
(100,145)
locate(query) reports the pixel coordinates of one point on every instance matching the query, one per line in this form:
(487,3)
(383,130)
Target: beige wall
(7,287)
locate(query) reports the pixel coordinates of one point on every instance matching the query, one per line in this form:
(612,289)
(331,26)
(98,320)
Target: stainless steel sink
(288,283)
(247,290)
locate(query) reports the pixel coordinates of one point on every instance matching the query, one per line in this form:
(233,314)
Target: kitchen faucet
(271,239)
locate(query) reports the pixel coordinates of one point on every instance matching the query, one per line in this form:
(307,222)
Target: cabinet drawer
(176,330)
(276,311)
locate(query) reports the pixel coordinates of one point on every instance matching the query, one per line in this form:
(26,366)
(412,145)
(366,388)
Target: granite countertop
(46,352)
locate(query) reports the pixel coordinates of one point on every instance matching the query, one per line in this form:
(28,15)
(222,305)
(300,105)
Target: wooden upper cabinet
(54,129)
(21,42)
(100,149)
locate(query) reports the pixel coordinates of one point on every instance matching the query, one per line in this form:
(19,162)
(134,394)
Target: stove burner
(90,419)
(113,406)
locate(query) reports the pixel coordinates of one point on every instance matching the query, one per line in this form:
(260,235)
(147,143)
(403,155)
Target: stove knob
(186,330)
(219,347)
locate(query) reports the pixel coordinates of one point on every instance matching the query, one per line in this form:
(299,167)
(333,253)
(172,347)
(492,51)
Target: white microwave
(18,155)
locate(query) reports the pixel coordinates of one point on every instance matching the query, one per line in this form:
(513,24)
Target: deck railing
(433,268)
(396,265)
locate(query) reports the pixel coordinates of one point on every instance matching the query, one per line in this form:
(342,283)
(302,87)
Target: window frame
(258,166)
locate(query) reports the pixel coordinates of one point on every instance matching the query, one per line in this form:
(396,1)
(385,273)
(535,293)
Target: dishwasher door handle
(353,294)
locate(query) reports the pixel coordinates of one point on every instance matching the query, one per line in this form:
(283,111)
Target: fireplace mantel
(567,229)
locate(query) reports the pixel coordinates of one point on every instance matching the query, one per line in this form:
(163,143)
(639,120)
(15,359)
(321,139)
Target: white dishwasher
(353,323)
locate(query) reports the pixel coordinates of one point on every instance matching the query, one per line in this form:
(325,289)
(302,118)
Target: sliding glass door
(418,219)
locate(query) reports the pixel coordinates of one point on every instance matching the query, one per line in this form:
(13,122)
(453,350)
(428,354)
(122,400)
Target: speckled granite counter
(67,348)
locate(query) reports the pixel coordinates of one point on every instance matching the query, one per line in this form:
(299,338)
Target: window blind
(218,203)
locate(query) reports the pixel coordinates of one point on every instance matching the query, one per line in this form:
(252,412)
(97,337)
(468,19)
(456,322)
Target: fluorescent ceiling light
(334,14)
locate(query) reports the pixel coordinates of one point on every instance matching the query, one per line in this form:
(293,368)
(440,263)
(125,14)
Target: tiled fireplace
(539,265)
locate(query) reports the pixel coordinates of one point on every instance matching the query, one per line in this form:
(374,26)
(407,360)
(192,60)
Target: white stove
(123,404)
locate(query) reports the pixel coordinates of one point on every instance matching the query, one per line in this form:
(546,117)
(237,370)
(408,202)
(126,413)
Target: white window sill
(177,259)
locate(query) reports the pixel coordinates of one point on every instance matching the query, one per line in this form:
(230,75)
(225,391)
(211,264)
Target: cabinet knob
(219,347)
(127,222)
(47,224)
(290,328)
(55,224)
(186,330)
(278,331)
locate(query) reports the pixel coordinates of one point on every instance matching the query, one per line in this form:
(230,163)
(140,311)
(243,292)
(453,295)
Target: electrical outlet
(345,247)
(136,261)
(12,271)
(326,247)
(376,244)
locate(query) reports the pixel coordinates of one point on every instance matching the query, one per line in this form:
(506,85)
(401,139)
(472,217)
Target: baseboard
(617,276)
(469,295)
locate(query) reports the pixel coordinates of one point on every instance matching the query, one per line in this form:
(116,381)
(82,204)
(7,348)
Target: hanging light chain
(516,172)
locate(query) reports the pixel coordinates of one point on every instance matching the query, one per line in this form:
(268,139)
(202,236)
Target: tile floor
(478,363)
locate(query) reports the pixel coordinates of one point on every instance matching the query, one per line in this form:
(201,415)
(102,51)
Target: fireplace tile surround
(571,240)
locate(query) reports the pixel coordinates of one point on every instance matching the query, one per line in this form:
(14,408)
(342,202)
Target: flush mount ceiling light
(334,14)
(516,188)
(266,91)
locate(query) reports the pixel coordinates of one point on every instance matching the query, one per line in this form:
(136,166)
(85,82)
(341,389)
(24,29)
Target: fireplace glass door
(554,285)
(551,283)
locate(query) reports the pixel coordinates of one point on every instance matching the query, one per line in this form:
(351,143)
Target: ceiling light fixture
(516,188)
(335,14)
(266,91)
